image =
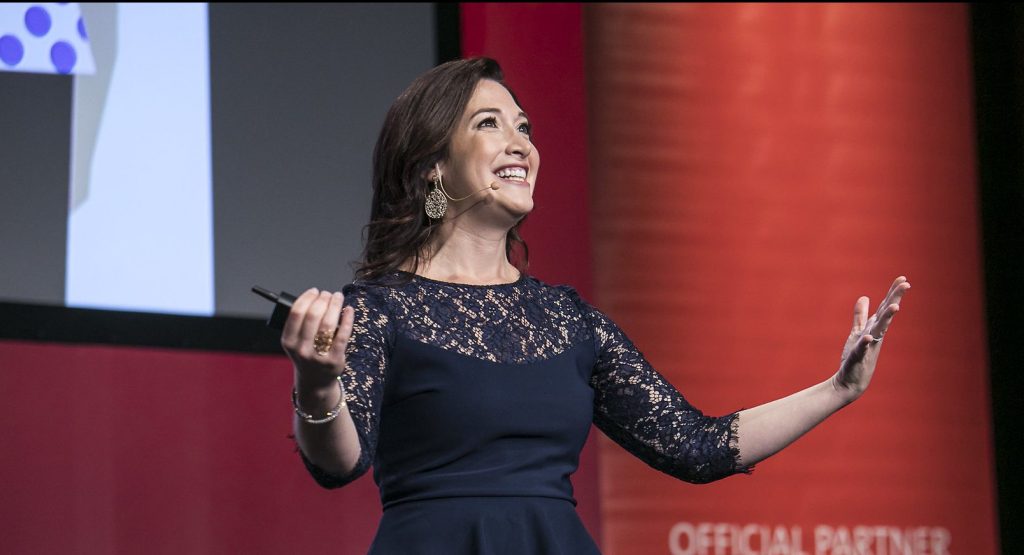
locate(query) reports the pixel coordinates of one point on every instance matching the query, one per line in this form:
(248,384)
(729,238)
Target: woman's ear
(432,174)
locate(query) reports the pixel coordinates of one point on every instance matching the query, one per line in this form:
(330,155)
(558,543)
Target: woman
(471,386)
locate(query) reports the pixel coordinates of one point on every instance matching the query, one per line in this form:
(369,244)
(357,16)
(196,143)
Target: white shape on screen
(142,237)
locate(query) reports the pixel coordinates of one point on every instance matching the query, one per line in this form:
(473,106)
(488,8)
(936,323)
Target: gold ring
(323,341)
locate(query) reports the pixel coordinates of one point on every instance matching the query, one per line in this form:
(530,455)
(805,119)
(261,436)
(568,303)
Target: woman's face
(491,145)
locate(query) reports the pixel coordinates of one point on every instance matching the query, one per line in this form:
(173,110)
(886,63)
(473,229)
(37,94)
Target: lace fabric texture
(521,323)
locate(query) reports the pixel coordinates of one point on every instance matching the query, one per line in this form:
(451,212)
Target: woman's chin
(507,209)
(520,209)
(511,213)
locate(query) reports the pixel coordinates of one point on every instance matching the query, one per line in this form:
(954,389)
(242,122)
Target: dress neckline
(520,279)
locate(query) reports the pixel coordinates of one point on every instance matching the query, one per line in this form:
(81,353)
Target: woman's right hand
(333,447)
(316,312)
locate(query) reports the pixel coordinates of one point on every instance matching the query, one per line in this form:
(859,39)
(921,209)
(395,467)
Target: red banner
(755,168)
(132,450)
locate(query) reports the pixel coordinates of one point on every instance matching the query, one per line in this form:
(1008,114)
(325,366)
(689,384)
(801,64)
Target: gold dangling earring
(437,203)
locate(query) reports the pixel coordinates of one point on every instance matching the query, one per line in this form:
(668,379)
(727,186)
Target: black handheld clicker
(282,306)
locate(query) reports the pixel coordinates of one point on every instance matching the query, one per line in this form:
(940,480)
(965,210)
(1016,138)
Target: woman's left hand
(862,347)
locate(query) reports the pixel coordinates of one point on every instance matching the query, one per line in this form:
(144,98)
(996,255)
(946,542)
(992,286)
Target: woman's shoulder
(385,291)
(380,282)
(369,291)
(564,294)
(559,289)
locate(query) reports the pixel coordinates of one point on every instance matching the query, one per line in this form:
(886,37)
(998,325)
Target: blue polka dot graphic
(63,57)
(45,37)
(37,21)
(11,50)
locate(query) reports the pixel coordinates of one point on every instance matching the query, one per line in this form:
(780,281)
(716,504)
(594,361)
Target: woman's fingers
(860,314)
(877,331)
(887,311)
(901,290)
(875,326)
(332,315)
(311,322)
(293,325)
(895,283)
(318,327)
(324,336)
(896,290)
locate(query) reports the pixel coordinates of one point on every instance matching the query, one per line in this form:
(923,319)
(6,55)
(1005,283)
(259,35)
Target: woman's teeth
(512,174)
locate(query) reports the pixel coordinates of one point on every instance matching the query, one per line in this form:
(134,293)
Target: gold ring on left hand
(323,341)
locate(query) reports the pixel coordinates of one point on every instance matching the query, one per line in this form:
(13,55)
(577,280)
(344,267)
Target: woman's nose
(519,145)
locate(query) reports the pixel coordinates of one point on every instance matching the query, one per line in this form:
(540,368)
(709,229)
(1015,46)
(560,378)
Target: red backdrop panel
(755,169)
(540,47)
(127,450)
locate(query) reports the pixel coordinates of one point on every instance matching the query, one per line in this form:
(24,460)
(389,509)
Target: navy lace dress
(472,403)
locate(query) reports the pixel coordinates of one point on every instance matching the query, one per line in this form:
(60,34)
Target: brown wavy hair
(417,133)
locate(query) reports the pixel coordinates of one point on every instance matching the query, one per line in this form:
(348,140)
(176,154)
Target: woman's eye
(493,122)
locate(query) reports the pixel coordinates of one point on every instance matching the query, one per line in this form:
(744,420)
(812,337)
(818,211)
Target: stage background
(750,188)
(741,174)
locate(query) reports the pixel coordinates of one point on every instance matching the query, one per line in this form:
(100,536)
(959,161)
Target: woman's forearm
(333,446)
(765,429)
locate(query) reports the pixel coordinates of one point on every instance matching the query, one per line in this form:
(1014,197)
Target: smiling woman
(471,386)
(490,146)
(450,131)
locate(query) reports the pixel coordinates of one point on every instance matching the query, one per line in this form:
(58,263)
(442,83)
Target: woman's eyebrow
(497,111)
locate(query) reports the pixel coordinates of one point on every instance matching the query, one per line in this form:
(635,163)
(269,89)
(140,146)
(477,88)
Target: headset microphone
(493,186)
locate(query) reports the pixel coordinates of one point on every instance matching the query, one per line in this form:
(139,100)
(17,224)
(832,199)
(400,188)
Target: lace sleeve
(641,411)
(366,361)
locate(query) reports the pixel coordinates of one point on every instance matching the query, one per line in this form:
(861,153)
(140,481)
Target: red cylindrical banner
(755,169)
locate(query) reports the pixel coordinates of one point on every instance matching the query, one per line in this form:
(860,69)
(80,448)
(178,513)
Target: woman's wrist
(328,415)
(317,393)
(843,394)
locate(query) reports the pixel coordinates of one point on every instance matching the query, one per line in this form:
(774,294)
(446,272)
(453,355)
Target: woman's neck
(464,255)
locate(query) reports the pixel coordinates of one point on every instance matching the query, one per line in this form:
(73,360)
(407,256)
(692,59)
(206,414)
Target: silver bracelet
(331,415)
